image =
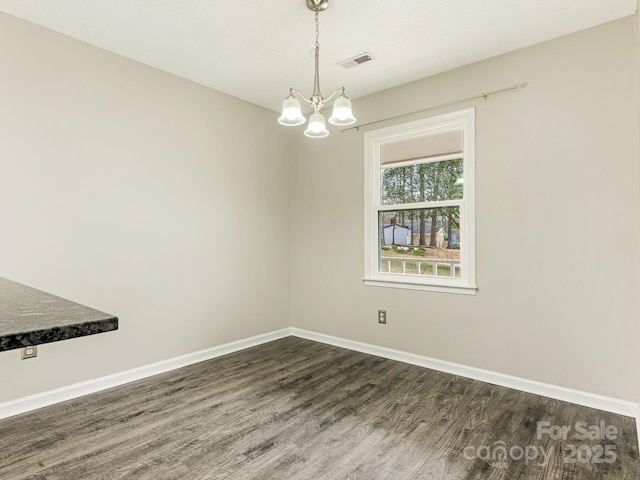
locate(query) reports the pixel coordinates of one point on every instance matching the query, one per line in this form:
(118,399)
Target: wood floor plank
(297,409)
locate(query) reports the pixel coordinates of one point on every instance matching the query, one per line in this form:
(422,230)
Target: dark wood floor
(296,409)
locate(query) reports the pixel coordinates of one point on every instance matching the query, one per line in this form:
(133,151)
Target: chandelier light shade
(291,110)
(316,128)
(342,114)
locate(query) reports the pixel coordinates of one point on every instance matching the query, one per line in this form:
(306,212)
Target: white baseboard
(44,399)
(33,402)
(613,405)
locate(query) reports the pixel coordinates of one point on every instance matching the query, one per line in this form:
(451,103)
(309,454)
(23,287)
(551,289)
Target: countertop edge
(55,334)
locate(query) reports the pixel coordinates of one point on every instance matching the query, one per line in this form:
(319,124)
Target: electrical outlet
(29,352)
(382,316)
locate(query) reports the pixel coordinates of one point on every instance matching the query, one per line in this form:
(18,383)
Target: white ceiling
(257,50)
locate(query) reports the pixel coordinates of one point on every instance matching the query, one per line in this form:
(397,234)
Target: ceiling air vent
(357,60)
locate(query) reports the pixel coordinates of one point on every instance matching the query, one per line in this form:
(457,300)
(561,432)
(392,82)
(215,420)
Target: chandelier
(291,112)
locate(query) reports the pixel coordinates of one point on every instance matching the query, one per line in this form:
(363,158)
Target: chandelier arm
(300,94)
(339,90)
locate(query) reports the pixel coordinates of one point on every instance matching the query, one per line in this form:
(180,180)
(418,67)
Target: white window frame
(373,140)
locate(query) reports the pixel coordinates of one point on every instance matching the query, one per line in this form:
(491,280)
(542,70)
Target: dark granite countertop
(30,317)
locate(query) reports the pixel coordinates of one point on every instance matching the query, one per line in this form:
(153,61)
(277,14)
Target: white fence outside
(453,265)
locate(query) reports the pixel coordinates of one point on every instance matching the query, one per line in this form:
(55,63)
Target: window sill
(428,287)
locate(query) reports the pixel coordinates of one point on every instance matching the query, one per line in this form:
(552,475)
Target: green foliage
(423,182)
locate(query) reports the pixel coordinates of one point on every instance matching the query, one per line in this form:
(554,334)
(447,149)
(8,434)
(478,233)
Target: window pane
(422,241)
(422,182)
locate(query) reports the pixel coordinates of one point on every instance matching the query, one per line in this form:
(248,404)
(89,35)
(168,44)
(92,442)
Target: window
(419,205)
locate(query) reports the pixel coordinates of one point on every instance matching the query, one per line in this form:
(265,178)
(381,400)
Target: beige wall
(141,194)
(556,161)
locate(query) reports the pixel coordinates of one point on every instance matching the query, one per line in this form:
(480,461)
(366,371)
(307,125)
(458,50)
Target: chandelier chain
(317,30)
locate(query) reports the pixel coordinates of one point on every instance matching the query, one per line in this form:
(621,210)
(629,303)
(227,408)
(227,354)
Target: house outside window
(420,204)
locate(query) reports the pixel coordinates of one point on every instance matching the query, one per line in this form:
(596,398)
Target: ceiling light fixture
(291,112)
